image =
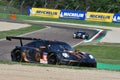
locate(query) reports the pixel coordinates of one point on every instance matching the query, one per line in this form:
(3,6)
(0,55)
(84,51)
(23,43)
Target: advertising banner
(43,12)
(116,18)
(72,14)
(29,9)
(98,16)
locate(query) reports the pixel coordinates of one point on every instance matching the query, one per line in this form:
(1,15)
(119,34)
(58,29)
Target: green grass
(26,17)
(43,65)
(16,32)
(22,17)
(103,53)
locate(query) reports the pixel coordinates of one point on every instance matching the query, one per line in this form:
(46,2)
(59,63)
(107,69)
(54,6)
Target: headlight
(66,55)
(91,56)
(74,35)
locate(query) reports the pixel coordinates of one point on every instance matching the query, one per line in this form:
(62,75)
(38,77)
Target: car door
(31,51)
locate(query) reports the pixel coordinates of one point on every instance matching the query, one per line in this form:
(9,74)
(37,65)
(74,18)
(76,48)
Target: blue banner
(29,9)
(72,14)
(116,18)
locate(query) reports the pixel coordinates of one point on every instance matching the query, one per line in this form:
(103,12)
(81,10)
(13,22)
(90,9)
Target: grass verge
(103,53)
(16,32)
(43,65)
(22,17)
(26,17)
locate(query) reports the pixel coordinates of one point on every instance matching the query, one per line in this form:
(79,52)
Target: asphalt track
(51,32)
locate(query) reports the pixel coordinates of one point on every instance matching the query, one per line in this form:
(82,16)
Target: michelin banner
(98,16)
(43,12)
(116,18)
(72,14)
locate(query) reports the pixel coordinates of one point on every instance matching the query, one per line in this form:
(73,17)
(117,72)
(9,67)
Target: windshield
(60,47)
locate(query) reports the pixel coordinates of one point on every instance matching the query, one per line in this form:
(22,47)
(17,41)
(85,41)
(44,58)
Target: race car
(49,52)
(80,35)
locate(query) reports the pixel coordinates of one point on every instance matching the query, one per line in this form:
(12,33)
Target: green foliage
(111,6)
(3,2)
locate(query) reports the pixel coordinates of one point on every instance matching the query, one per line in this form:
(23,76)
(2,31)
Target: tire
(93,65)
(86,37)
(52,59)
(16,55)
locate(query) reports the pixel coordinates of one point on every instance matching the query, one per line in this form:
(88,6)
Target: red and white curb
(95,36)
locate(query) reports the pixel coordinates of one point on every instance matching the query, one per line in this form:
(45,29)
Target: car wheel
(86,37)
(94,65)
(52,59)
(16,55)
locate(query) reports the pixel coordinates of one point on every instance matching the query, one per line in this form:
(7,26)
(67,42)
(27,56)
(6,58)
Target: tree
(84,5)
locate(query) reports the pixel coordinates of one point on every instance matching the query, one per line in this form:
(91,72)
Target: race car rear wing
(21,38)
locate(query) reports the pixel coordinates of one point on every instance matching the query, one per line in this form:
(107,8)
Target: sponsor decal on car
(44,59)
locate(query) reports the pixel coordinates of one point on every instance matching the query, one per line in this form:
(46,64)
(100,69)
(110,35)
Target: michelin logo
(43,12)
(116,18)
(46,12)
(32,12)
(65,14)
(98,16)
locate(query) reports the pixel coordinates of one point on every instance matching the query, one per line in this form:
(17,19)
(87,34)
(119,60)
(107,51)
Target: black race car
(49,52)
(81,35)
